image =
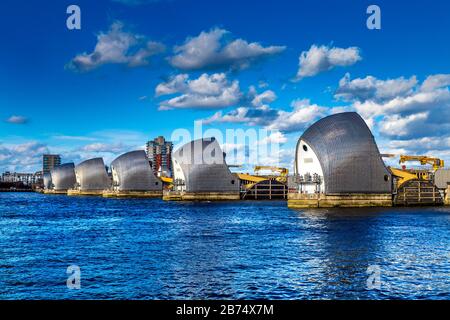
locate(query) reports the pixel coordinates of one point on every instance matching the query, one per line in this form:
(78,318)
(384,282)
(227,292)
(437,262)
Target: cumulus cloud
(275,137)
(396,125)
(319,59)
(117,47)
(255,111)
(259,100)
(104,147)
(262,84)
(210,50)
(422,144)
(434,82)
(23,157)
(401,108)
(17,119)
(370,88)
(107,144)
(259,113)
(302,115)
(262,116)
(205,92)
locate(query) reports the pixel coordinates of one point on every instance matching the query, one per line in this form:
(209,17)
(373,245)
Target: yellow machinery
(282,171)
(404,175)
(249,180)
(168,182)
(259,187)
(424,160)
(416,186)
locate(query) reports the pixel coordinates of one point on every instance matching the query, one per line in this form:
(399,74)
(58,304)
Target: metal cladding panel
(348,154)
(91,175)
(204,167)
(63,176)
(132,172)
(442,178)
(47,181)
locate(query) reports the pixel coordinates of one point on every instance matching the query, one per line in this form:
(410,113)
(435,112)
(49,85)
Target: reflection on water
(149,249)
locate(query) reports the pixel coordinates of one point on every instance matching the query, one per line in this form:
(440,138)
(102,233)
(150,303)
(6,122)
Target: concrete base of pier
(200,196)
(54,192)
(301,201)
(447,196)
(75,192)
(132,194)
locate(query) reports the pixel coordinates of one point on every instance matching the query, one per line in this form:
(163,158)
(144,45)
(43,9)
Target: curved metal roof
(204,167)
(47,181)
(348,154)
(91,175)
(133,173)
(63,176)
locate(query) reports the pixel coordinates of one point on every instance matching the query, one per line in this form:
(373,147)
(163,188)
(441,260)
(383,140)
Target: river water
(150,249)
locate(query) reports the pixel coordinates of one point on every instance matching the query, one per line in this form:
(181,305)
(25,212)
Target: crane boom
(282,171)
(424,160)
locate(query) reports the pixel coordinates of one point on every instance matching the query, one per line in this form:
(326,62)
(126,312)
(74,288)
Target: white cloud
(303,114)
(261,116)
(436,81)
(407,116)
(17,119)
(27,156)
(319,59)
(275,137)
(176,84)
(210,50)
(341,109)
(262,84)
(267,96)
(117,47)
(395,125)
(282,158)
(73,138)
(207,91)
(400,107)
(105,147)
(422,144)
(23,157)
(374,89)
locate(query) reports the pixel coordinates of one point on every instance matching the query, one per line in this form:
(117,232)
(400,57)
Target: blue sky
(129,74)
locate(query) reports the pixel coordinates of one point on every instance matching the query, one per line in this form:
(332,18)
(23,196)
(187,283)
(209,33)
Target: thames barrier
(337,164)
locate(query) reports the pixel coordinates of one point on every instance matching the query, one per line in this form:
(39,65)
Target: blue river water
(150,249)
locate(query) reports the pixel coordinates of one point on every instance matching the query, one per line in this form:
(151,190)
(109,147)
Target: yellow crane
(405,175)
(424,160)
(284,172)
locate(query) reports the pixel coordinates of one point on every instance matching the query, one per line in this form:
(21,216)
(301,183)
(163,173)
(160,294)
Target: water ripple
(150,249)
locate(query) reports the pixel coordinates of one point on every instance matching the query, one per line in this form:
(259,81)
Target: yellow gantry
(424,160)
(249,181)
(405,175)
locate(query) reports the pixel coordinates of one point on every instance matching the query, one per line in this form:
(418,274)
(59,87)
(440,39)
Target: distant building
(27,179)
(159,153)
(49,161)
